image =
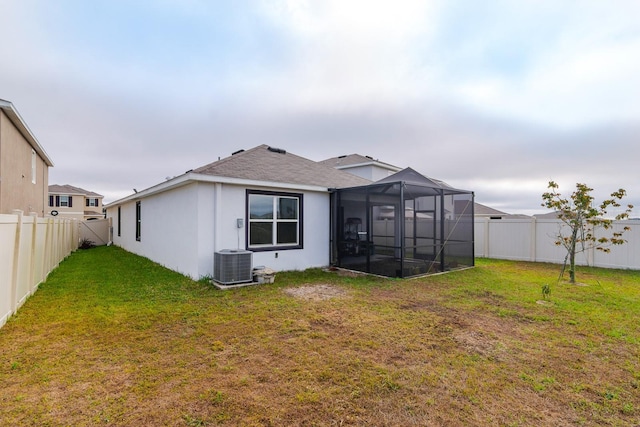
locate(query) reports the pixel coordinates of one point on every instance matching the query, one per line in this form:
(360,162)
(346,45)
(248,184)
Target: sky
(497,97)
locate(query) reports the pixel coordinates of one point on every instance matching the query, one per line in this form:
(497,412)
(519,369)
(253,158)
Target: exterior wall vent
(232,266)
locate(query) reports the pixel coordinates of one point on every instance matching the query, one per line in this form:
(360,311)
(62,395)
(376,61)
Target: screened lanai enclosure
(405,225)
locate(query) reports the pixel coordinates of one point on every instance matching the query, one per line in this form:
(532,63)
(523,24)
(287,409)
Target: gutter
(191,177)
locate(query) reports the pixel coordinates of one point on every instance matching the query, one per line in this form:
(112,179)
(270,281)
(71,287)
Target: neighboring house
(74,202)
(548,215)
(24,165)
(483,211)
(265,200)
(362,166)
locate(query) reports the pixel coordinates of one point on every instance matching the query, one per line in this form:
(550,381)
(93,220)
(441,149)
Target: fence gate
(96,230)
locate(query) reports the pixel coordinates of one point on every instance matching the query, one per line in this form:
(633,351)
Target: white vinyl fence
(30,248)
(531,239)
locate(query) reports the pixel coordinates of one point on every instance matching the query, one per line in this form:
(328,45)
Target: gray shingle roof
(70,189)
(264,163)
(412,177)
(354,159)
(480,209)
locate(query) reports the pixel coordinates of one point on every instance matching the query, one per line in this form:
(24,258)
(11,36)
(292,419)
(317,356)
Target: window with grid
(274,220)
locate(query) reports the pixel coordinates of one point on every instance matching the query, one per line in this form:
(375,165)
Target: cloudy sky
(498,97)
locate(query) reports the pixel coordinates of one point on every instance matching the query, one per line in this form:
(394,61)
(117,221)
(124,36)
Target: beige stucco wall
(17,191)
(93,208)
(76,211)
(78,208)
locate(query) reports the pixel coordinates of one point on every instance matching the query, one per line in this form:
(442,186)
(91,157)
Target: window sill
(273,248)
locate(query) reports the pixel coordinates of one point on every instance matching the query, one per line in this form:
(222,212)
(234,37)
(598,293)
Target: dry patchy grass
(113,339)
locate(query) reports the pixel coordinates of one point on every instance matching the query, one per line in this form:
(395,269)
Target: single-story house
(268,207)
(264,200)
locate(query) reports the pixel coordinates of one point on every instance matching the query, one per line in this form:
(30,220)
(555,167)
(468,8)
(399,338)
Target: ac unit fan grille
(232,267)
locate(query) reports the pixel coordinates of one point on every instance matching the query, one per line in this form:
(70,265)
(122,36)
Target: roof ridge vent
(277,150)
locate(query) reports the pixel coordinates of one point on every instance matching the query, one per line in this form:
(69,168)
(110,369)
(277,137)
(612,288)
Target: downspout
(401,215)
(415,230)
(368,225)
(473,230)
(332,222)
(442,230)
(217,209)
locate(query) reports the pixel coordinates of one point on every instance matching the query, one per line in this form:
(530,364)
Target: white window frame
(138,221)
(275,221)
(34,163)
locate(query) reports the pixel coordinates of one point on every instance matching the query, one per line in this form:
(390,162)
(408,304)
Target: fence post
(34,242)
(534,233)
(486,238)
(16,262)
(47,247)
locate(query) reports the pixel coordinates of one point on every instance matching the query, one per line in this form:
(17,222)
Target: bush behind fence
(30,248)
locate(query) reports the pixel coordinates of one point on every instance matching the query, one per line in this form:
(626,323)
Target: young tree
(582,217)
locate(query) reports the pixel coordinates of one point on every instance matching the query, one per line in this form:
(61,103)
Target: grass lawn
(113,339)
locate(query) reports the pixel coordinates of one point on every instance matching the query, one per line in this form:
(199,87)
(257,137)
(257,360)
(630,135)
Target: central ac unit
(232,266)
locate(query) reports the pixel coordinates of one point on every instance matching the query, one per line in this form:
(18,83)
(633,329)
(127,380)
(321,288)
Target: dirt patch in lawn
(316,292)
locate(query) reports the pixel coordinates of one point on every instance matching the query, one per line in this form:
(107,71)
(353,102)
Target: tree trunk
(572,256)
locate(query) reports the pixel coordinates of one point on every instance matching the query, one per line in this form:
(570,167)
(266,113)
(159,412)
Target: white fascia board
(382,165)
(192,177)
(176,182)
(19,123)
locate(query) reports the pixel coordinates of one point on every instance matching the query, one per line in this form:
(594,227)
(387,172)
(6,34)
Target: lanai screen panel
(400,229)
(367,232)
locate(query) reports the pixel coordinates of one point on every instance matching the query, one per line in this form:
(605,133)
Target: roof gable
(410,176)
(352,160)
(264,163)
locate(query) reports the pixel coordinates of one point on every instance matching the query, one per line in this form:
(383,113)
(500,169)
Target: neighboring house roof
(483,210)
(353,160)
(264,163)
(548,215)
(11,112)
(70,189)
